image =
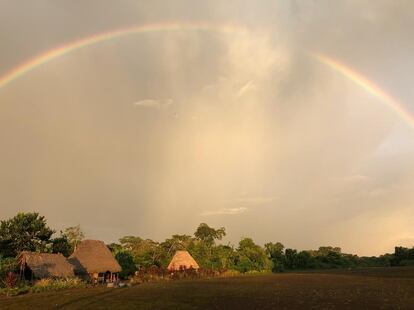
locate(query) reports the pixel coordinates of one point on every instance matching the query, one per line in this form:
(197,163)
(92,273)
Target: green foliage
(61,245)
(126,261)
(176,243)
(43,286)
(56,284)
(291,259)
(24,232)
(205,251)
(74,236)
(7,264)
(15,291)
(115,248)
(402,256)
(304,260)
(145,253)
(251,256)
(29,231)
(275,253)
(208,235)
(223,257)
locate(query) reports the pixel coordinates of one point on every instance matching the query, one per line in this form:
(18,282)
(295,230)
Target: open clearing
(385,288)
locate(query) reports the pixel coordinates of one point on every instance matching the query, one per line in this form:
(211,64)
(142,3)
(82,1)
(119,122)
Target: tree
(328,257)
(75,235)
(7,265)
(208,234)
(24,232)
(144,252)
(115,248)
(326,250)
(291,259)
(275,253)
(61,245)
(223,257)
(251,256)
(304,260)
(176,243)
(204,244)
(126,261)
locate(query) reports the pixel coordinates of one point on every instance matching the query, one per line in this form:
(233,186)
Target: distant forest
(30,232)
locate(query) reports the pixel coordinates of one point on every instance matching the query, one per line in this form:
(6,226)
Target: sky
(150,134)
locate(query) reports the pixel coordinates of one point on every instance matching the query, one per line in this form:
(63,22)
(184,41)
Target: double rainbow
(337,66)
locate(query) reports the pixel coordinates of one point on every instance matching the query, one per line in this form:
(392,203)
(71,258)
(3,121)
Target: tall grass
(56,284)
(43,285)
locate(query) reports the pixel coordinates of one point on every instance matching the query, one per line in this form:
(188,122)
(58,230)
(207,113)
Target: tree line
(30,232)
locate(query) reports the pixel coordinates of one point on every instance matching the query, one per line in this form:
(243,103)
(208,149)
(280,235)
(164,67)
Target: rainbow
(337,66)
(367,85)
(49,55)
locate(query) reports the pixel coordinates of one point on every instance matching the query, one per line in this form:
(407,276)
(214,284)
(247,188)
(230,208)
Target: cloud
(251,201)
(240,205)
(154,103)
(225,211)
(256,125)
(249,86)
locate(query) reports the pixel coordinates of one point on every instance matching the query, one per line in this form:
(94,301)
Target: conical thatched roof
(182,259)
(46,265)
(93,256)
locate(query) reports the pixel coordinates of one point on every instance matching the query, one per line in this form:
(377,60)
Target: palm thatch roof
(46,265)
(93,256)
(182,259)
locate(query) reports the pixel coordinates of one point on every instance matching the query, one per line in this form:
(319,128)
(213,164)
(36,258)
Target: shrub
(126,261)
(11,280)
(7,265)
(229,273)
(150,274)
(56,284)
(23,289)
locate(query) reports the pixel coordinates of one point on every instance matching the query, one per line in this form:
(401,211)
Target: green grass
(377,288)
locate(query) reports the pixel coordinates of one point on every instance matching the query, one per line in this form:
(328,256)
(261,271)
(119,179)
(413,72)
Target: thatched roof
(182,259)
(93,256)
(46,265)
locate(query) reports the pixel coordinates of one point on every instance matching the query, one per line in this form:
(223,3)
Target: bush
(407,262)
(160,274)
(42,285)
(126,261)
(150,274)
(20,290)
(7,265)
(186,273)
(11,280)
(56,284)
(229,273)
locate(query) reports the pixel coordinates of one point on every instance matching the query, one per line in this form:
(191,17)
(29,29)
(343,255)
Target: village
(91,261)
(211,154)
(39,267)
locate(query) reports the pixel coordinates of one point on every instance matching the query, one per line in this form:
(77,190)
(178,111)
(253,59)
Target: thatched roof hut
(93,257)
(44,265)
(182,259)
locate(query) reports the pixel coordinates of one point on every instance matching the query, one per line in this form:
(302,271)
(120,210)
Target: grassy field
(391,288)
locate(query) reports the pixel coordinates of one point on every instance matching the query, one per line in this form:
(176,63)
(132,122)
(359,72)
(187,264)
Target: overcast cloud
(269,143)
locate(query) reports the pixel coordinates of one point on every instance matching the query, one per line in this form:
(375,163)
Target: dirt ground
(383,288)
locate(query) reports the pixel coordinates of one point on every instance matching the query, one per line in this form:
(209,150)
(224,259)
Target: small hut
(34,265)
(182,259)
(93,260)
